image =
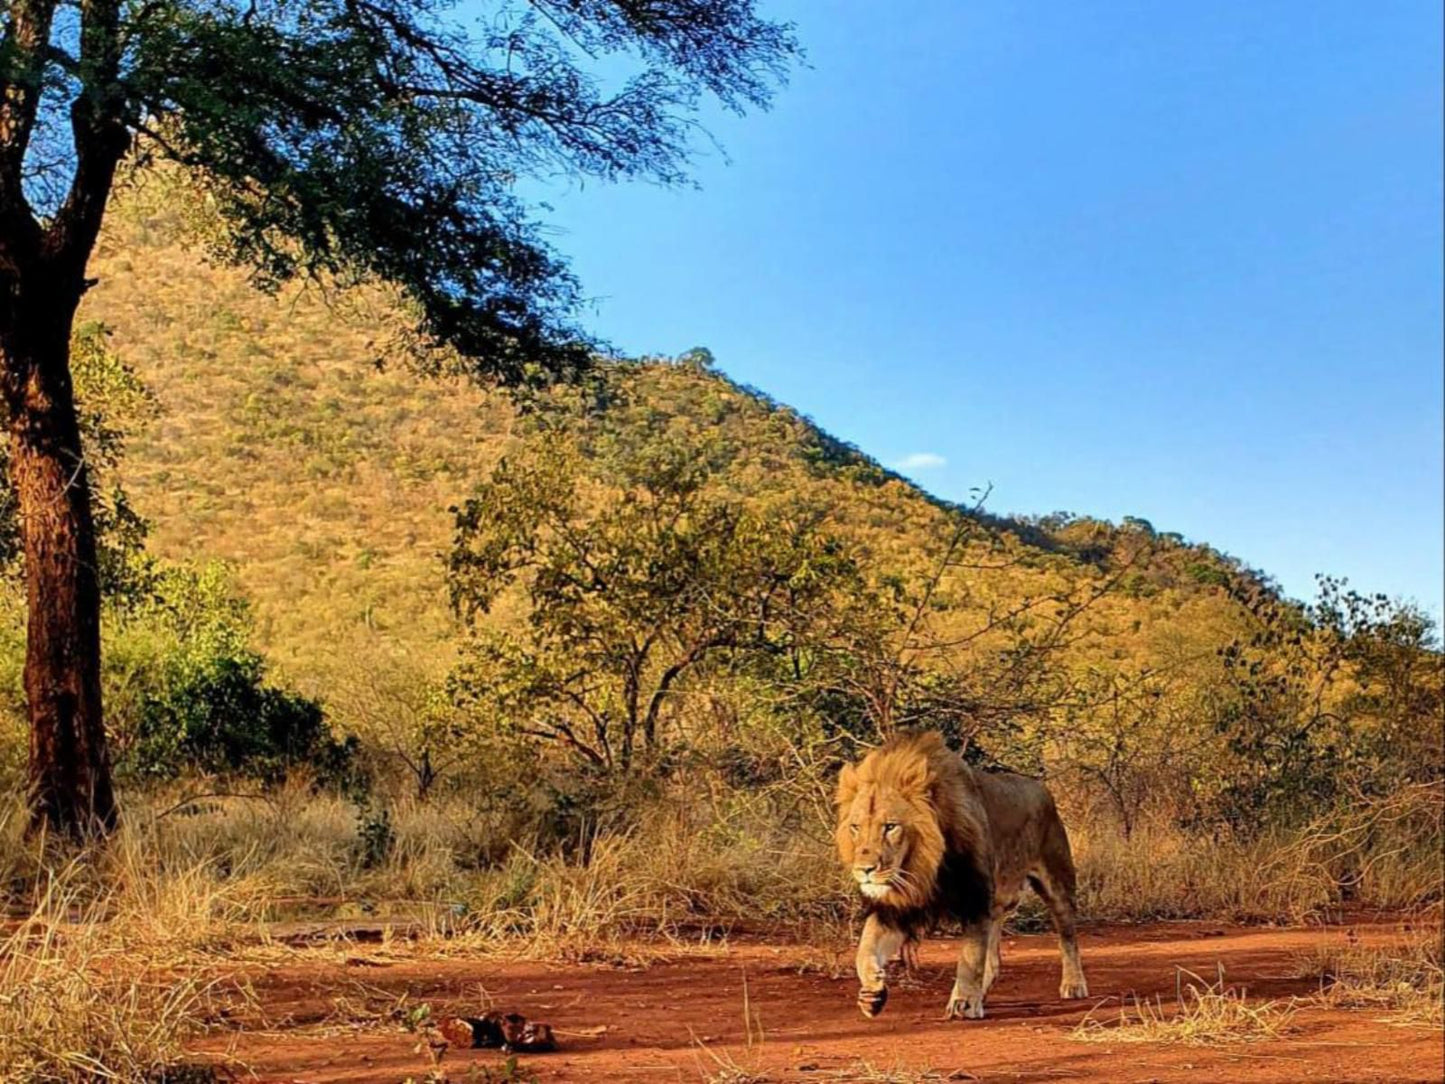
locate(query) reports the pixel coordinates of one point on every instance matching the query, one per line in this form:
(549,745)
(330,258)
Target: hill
(289,444)
(279,444)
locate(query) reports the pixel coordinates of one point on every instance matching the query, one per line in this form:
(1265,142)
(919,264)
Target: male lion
(927,837)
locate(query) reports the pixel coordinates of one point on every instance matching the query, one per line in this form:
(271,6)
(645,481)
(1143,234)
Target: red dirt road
(683,1019)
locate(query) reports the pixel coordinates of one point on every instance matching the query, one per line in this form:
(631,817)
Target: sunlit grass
(1203,1013)
(1401,976)
(106,990)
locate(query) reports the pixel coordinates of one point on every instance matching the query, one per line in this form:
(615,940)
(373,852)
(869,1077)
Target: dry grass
(1383,852)
(211,874)
(1401,976)
(216,874)
(1161,872)
(720,1066)
(87,994)
(867,1072)
(725,1069)
(1204,1013)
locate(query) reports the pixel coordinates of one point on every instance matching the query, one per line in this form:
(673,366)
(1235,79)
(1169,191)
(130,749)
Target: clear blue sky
(1178,261)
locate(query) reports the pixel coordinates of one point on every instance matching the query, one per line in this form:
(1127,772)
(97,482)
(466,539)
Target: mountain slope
(282,448)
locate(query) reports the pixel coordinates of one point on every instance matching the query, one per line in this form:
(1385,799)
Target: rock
(508,1031)
(458,1031)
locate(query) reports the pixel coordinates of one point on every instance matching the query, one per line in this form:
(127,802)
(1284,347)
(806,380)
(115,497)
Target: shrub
(187,693)
(223,717)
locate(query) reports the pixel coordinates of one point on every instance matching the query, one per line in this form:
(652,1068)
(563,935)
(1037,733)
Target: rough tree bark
(42,279)
(69,775)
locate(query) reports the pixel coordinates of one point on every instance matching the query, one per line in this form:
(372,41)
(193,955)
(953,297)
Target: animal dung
(508,1031)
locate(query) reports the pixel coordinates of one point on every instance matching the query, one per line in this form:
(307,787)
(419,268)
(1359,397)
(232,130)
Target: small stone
(458,1031)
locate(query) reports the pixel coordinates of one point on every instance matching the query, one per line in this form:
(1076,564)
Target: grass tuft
(85,996)
(1402,976)
(1204,1014)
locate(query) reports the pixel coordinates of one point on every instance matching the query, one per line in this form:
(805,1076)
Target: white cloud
(921,461)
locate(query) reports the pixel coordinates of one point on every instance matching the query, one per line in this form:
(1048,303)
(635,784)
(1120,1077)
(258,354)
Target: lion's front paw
(1073,988)
(871,1002)
(964,1006)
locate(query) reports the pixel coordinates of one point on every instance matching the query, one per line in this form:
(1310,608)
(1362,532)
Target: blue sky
(1177,261)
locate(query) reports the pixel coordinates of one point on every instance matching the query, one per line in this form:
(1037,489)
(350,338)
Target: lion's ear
(847,785)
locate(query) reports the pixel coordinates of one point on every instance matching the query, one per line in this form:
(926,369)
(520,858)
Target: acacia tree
(636,577)
(377,138)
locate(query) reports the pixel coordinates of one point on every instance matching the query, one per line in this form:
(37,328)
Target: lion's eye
(853,828)
(889,829)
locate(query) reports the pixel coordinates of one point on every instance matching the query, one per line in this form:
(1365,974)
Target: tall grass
(671,868)
(1382,853)
(679,865)
(89,993)
(1162,872)
(667,876)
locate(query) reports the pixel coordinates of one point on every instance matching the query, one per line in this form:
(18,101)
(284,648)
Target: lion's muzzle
(873,882)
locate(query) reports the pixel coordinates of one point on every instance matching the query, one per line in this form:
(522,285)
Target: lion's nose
(867,870)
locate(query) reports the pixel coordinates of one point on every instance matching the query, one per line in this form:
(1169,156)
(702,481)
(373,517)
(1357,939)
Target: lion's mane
(949,864)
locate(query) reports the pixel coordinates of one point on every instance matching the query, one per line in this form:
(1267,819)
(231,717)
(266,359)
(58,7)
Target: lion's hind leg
(905,965)
(1053,880)
(909,955)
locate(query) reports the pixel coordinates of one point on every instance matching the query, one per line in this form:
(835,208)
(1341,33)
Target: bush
(186,693)
(223,717)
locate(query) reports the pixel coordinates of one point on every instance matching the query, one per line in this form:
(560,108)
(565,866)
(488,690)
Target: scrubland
(392,656)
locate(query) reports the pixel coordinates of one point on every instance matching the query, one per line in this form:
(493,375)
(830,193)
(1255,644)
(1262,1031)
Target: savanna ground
(765,1008)
(254,939)
(420,703)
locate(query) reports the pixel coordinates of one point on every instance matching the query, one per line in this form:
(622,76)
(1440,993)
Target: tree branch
(101,139)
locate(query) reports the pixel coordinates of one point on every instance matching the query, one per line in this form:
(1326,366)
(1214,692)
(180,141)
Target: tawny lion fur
(927,837)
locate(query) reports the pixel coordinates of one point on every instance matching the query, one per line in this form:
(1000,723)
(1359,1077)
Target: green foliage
(1341,698)
(407,719)
(664,560)
(222,717)
(637,571)
(189,694)
(385,139)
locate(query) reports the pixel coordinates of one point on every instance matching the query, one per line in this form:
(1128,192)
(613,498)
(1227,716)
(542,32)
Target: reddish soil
(682,1019)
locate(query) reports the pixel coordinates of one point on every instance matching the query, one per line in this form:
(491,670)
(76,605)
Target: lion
(927,837)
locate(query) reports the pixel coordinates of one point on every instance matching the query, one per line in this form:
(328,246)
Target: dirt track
(682,1020)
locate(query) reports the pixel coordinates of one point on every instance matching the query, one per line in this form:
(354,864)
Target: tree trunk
(69,774)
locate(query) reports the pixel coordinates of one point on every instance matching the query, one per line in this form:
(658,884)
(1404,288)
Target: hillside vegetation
(287,443)
(280,446)
(562,671)
(580,672)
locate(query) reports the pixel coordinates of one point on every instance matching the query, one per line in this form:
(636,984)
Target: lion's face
(882,828)
(874,839)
